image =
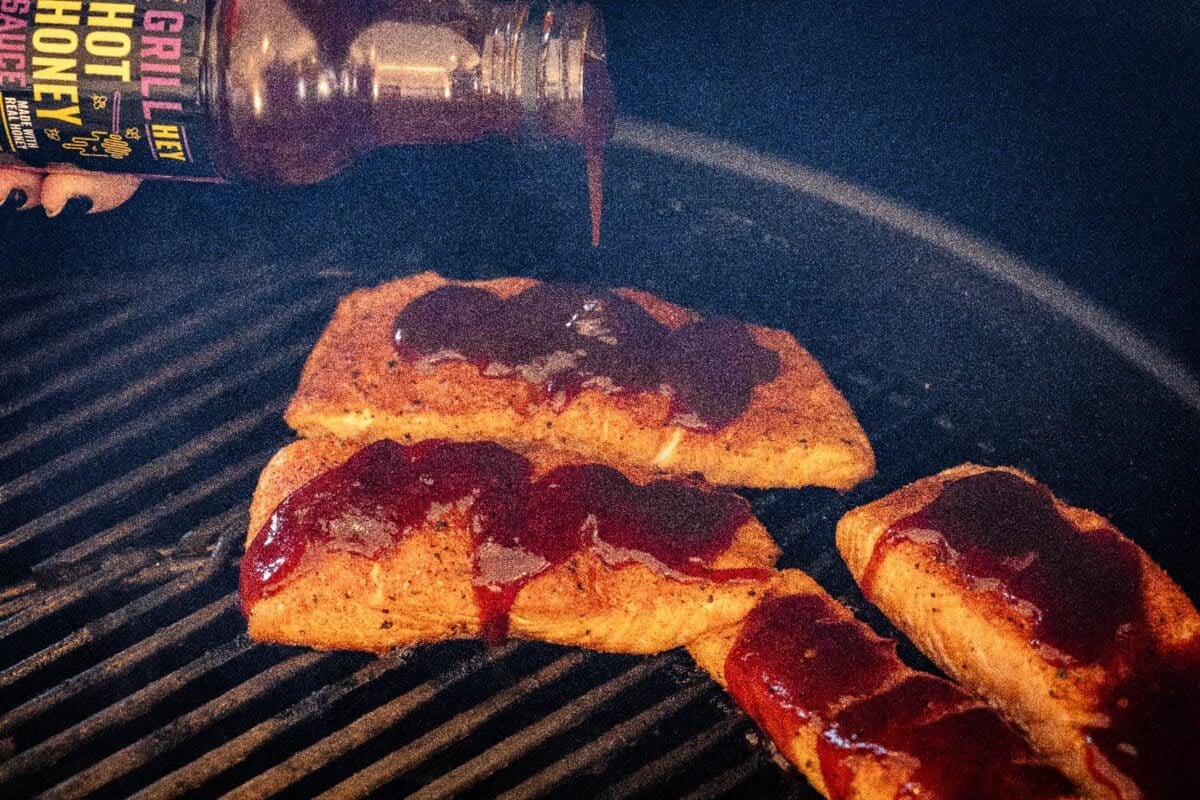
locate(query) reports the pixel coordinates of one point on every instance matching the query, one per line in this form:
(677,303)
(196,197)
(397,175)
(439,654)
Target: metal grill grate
(137,421)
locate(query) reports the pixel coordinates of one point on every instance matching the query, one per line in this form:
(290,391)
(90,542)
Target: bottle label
(104,85)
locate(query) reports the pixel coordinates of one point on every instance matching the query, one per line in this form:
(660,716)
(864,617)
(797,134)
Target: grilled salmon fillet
(796,429)
(1050,614)
(842,707)
(422,587)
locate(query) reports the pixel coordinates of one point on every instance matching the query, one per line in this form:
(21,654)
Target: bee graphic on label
(100,144)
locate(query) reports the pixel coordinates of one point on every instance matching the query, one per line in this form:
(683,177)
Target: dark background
(1063,132)
(1067,132)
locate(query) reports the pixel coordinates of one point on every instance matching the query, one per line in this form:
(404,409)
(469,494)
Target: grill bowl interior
(143,383)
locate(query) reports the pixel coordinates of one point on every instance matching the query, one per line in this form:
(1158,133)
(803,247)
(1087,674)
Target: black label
(103,85)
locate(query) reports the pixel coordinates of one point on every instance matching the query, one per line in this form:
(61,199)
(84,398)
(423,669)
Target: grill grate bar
(49,602)
(513,747)
(18,597)
(17,590)
(22,324)
(119,664)
(156,339)
(52,750)
(545,781)
(83,336)
(361,730)
(679,758)
(219,759)
(17,605)
(164,570)
(143,424)
(137,523)
(400,761)
(199,540)
(727,781)
(190,365)
(165,465)
(14,598)
(180,730)
(105,625)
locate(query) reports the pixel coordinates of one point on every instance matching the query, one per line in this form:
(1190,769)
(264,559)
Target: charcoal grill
(142,391)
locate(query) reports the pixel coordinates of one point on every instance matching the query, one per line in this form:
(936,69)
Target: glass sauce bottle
(291,91)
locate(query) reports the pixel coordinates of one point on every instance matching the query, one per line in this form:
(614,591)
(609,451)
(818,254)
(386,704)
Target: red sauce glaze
(1153,735)
(568,337)
(1083,593)
(797,663)
(380,493)
(961,749)
(520,527)
(1007,536)
(796,659)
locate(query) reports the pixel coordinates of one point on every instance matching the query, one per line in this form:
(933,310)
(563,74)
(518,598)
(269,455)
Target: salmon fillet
(842,707)
(421,590)
(797,429)
(1102,673)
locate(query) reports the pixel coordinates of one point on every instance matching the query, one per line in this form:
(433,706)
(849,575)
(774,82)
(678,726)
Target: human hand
(52,190)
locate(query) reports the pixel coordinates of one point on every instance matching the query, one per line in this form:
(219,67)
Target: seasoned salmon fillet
(376,571)
(842,707)
(795,429)
(1049,613)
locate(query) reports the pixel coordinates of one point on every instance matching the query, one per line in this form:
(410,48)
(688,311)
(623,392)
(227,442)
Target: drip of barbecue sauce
(963,750)
(598,108)
(1083,595)
(797,663)
(568,337)
(520,527)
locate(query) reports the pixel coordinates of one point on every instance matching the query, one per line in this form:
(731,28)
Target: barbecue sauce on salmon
(1083,595)
(798,663)
(566,338)
(520,527)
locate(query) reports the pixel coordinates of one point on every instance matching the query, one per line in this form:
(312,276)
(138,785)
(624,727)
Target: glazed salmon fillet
(859,723)
(1048,612)
(762,412)
(378,545)
(330,565)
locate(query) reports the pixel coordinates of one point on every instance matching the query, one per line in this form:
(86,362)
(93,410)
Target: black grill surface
(139,405)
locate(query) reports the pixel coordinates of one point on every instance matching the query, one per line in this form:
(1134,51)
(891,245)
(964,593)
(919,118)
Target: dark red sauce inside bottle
(300,88)
(1083,593)
(520,528)
(568,337)
(797,662)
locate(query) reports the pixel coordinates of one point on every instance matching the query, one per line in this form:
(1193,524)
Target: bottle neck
(552,59)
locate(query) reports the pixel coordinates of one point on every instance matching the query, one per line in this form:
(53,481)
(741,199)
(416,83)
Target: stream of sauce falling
(1083,595)
(594,155)
(598,109)
(520,527)
(798,662)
